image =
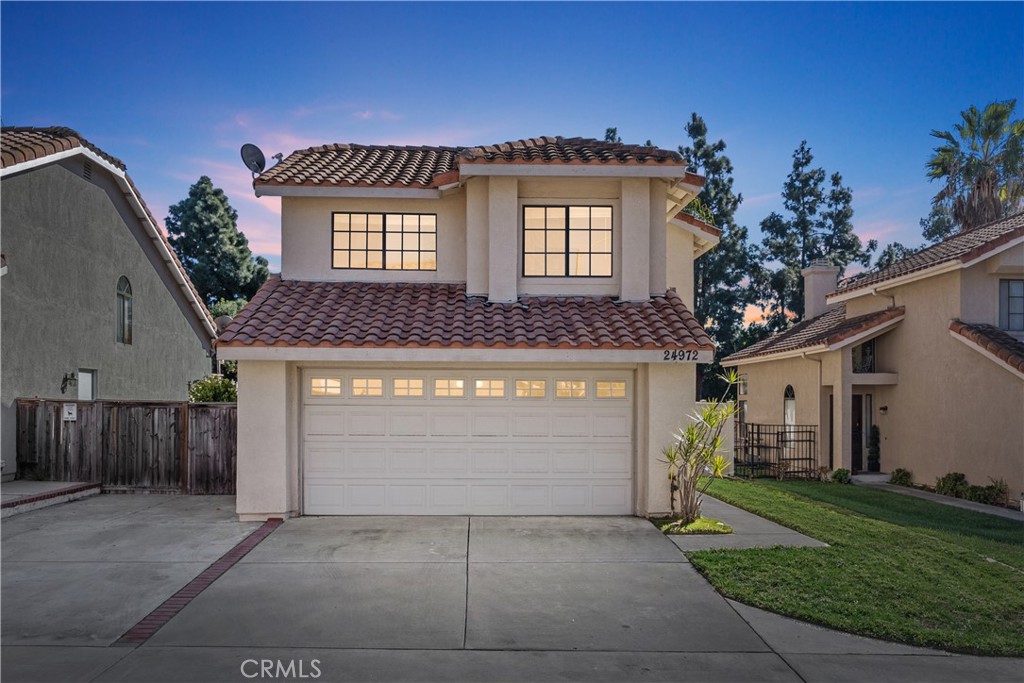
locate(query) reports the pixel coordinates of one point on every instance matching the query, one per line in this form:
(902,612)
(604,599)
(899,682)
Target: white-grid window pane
(407,387)
(571,388)
(531,388)
(490,388)
(448,388)
(325,386)
(367,386)
(610,389)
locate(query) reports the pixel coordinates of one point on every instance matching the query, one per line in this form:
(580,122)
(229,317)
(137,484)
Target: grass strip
(907,582)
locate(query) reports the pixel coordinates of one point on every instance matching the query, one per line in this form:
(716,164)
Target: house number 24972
(680,355)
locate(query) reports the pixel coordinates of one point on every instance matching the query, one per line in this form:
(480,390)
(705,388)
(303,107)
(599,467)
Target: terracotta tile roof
(963,247)
(831,327)
(18,145)
(701,225)
(21,144)
(363,166)
(561,150)
(430,167)
(1006,348)
(359,314)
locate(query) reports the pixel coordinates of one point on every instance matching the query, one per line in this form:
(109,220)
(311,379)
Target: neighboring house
(487,330)
(95,305)
(930,349)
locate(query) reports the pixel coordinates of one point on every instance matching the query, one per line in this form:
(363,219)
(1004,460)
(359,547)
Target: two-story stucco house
(929,349)
(95,305)
(487,330)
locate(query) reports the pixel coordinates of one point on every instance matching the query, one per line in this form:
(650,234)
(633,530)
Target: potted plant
(874,450)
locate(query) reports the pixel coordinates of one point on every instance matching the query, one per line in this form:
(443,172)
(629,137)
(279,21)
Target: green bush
(212,389)
(953,484)
(901,477)
(841,476)
(995,493)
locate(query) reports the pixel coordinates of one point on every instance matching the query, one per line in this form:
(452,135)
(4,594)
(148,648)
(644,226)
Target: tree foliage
(891,254)
(228,307)
(213,389)
(819,227)
(204,234)
(722,289)
(981,163)
(939,224)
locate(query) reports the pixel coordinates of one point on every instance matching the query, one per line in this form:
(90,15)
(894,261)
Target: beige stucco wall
(669,393)
(679,263)
(306,231)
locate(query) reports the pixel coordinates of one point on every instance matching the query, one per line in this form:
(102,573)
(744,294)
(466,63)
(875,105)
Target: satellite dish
(253,158)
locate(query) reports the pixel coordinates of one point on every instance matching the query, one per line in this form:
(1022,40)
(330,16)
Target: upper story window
(567,241)
(124,310)
(1011,305)
(864,356)
(384,241)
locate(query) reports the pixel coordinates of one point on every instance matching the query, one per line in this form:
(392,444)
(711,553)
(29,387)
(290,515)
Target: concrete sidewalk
(1006,513)
(402,599)
(748,531)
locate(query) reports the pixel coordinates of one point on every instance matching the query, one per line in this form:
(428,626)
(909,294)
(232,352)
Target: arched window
(124,310)
(788,413)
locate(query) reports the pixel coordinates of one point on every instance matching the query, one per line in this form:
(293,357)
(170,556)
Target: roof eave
(608,169)
(970,343)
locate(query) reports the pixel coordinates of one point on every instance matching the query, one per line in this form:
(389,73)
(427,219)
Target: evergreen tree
(204,234)
(892,253)
(820,227)
(721,284)
(939,224)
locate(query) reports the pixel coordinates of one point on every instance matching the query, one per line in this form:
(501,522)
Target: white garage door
(467,442)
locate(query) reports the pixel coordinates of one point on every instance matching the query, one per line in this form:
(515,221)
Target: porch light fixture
(884,410)
(70,379)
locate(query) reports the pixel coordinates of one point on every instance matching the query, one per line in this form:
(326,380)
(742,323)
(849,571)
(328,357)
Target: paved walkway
(20,495)
(945,500)
(748,531)
(402,598)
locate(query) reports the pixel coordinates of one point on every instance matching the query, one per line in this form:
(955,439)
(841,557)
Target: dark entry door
(857,432)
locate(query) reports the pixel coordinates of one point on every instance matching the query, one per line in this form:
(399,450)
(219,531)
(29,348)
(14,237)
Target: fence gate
(129,445)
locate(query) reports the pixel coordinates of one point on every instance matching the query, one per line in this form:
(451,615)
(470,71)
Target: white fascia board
(797,353)
(433,355)
(988,354)
(49,159)
(335,191)
(572,170)
(998,250)
(3,271)
(866,334)
(696,232)
(867,290)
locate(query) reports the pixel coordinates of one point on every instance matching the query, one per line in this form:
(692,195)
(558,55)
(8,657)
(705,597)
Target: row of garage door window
(364,387)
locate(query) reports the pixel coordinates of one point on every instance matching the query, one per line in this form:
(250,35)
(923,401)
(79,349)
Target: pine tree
(820,227)
(721,285)
(204,234)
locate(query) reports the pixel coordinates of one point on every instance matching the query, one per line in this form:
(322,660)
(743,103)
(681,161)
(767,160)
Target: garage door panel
(430,455)
(367,422)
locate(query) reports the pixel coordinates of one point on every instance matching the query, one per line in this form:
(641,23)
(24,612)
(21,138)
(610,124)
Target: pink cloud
(760,199)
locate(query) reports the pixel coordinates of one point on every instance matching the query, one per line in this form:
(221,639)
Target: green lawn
(702,525)
(898,568)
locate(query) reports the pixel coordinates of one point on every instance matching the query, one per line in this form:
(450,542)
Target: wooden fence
(130,445)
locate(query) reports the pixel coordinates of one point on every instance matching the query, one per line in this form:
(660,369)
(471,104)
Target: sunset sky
(174,89)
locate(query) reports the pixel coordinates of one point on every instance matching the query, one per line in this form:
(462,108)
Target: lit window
(325,386)
(124,310)
(448,388)
(408,387)
(573,388)
(613,389)
(384,241)
(741,385)
(573,241)
(863,356)
(367,387)
(531,388)
(1011,305)
(490,388)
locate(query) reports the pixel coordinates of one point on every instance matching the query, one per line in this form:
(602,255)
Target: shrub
(212,389)
(841,476)
(901,477)
(953,484)
(995,493)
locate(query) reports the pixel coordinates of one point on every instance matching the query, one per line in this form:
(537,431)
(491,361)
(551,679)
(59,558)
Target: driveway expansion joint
(169,608)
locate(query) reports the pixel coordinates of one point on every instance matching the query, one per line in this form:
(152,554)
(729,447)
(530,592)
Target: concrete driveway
(412,599)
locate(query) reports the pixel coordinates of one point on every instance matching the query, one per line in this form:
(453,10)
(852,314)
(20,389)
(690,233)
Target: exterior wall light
(884,410)
(70,380)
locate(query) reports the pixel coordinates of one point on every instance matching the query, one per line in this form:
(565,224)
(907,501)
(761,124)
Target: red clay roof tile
(831,327)
(21,144)
(1006,348)
(363,314)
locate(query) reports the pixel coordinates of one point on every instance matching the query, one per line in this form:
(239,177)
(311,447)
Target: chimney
(820,280)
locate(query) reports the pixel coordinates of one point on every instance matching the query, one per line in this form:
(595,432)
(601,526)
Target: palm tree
(982,164)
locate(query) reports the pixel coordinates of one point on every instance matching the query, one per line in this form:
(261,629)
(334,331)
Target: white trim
(988,354)
(140,213)
(993,252)
(334,191)
(703,242)
(451,355)
(837,297)
(797,353)
(605,170)
(870,333)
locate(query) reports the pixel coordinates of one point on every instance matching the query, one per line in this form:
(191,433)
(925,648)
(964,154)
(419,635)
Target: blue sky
(174,89)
